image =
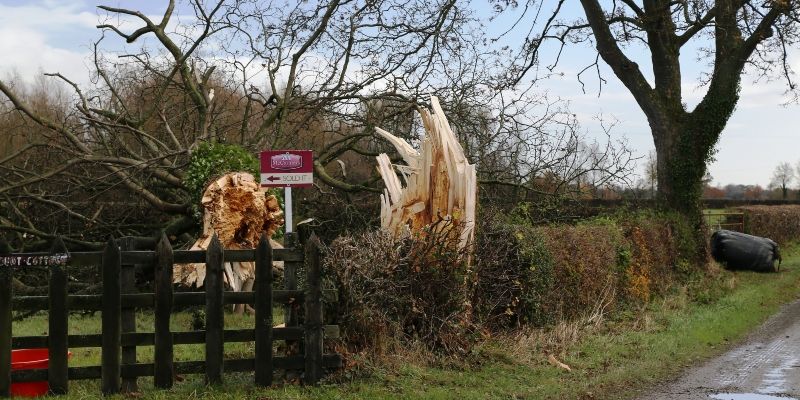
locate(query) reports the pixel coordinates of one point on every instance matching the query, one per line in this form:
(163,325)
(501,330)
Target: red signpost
(288,169)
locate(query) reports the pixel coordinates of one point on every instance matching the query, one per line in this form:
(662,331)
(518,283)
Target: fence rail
(118,303)
(724,220)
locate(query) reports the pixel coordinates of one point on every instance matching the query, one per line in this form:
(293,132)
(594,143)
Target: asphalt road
(765,366)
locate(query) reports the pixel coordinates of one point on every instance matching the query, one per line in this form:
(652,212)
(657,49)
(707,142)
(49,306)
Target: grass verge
(609,358)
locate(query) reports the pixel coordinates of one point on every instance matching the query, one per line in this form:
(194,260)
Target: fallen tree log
(238,211)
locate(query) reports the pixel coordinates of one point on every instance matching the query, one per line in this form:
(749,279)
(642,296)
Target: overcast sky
(55,35)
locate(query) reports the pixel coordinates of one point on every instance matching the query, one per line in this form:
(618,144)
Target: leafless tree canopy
(734,37)
(110,156)
(782,178)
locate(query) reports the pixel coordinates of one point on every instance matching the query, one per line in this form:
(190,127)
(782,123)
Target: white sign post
(287,205)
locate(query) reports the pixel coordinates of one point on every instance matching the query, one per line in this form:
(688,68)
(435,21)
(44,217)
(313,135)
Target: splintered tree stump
(440,183)
(238,211)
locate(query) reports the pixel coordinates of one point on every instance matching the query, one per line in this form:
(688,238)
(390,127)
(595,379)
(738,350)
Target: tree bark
(679,171)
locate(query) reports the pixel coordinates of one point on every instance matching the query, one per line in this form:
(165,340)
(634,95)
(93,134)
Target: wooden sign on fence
(34,260)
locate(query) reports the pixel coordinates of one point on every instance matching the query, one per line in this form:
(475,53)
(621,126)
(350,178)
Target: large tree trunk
(238,211)
(685,142)
(684,145)
(680,173)
(681,166)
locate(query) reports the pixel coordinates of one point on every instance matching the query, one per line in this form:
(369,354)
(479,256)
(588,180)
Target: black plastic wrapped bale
(738,250)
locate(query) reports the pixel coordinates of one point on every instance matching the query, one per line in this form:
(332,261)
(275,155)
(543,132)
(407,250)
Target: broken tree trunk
(238,211)
(440,183)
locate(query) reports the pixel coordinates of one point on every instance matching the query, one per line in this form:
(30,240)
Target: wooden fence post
(215,317)
(58,325)
(112,319)
(128,286)
(313,317)
(5,330)
(163,377)
(263,304)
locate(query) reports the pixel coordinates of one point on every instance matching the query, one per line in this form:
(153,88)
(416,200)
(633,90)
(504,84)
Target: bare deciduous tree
(733,35)
(112,157)
(797,173)
(782,178)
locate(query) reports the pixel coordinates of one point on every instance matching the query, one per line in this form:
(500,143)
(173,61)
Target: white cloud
(692,92)
(28,53)
(48,16)
(55,36)
(796,63)
(48,36)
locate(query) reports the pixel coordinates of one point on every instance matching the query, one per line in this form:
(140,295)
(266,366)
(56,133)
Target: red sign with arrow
(287,168)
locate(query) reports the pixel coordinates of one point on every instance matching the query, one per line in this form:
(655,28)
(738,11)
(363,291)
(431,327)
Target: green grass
(625,354)
(86,324)
(711,217)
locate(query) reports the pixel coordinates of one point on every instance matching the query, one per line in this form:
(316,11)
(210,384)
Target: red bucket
(30,359)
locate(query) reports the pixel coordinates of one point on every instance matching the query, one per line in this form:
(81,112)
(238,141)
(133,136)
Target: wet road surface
(766,366)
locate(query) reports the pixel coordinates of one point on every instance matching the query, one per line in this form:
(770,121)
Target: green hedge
(520,275)
(210,160)
(538,275)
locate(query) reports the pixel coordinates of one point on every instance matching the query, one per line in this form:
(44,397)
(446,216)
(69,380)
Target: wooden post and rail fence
(119,301)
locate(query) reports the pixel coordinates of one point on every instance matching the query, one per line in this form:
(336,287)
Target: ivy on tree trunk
(685,140)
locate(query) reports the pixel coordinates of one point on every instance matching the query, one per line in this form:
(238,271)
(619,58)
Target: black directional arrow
(273,178)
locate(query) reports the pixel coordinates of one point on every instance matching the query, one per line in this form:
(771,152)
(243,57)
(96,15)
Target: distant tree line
(784,185)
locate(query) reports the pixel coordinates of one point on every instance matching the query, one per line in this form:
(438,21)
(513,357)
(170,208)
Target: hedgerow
(520,275)
(209,160)
(411,288)
(779,223)
(514,274)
